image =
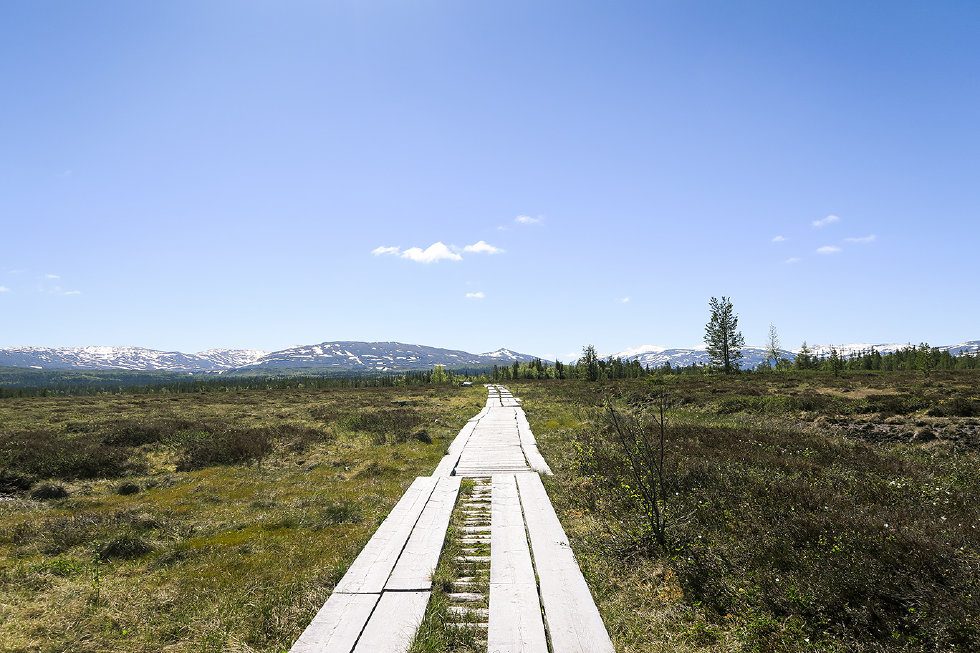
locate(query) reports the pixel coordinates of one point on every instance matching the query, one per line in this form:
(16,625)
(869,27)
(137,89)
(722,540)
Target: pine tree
(722,336)
(804,357)
(772,349)
(590,363)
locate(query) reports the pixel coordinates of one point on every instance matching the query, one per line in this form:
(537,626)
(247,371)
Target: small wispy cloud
(4,289)
(823,222)
(791,260)
(438,251)
(52,276)
(72,292)
(482,247)
(624,300)
(475,295)
(526,219)
(431,254)
(829,249)
(870,238)
(779,239)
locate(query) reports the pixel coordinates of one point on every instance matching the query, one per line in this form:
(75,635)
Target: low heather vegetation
(793,522)
(209,521)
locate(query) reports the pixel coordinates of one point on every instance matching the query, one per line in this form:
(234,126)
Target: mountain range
(654,356)
(367,357)
(344,356)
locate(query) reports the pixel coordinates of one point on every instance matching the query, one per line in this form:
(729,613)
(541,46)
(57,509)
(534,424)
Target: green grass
(211,552)
(800,525)
(437,633)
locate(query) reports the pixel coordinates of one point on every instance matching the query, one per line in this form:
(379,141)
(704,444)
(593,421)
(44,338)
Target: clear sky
(186,175)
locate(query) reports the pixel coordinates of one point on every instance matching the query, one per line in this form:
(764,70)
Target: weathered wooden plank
(448,462)
(394,623)
(418,560)
(573,619)
(337,625)
(371,569)
(514,623)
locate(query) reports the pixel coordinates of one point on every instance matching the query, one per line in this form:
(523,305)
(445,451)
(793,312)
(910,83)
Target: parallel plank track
(538,602)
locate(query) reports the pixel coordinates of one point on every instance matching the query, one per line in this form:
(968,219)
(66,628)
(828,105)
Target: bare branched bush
(641,433)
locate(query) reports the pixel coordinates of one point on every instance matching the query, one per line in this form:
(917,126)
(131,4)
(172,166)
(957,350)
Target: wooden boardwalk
(538,599)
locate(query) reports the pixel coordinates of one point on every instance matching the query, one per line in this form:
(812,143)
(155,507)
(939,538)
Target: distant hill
(345,356)
(654,356)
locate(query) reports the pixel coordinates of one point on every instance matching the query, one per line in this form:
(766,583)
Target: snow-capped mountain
(231,358)
(856,348)
(125,358)
(654,356)
(327,356)
(379,357)
(970,347)
(508,356)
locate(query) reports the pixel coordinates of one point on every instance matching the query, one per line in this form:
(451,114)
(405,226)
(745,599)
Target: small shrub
(342,512)
(47,454)
(229,447)
(46,491)
(12,482)
(956,407)
(422,436)
(134,433)
(59,534)
(127,489)
(125,547)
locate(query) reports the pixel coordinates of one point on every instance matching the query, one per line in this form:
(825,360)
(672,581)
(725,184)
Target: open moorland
(806,511)
(216,521)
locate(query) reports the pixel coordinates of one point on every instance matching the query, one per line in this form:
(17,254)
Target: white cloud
(624,300)
(431,254)
(475,295)
(526,219)
(482,247)
(870,238)
(72,292)
(828,249)
(438,251)
(779,239)
(52,276)
(4,289)
(791,260)
(823,222)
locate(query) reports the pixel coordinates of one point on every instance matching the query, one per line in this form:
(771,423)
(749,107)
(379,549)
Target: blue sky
(186,175)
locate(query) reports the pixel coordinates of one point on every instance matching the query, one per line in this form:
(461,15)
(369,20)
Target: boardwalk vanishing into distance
(538,600)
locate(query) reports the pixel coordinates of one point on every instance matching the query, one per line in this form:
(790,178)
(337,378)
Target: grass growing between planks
(810,514)
(442,630)
(213,522)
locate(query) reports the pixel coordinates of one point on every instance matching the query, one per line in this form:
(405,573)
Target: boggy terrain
(804,512)
(199,522)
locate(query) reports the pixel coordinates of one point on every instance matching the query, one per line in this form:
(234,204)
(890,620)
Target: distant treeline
(19,382)
(922,358)
(592,368)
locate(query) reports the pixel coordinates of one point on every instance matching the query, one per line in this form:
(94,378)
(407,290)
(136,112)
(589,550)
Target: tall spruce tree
(589,363)
(804,358)
(772,347)
(722,336)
